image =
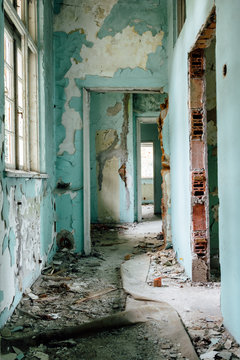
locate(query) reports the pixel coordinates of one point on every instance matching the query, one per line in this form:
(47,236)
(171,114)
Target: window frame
(181,15)
(26,27)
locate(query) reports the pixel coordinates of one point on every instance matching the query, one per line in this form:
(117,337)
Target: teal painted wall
(197,12)
(131,53)
(149,133)
(111,143)
(27,205)
(212,152)
(228,93)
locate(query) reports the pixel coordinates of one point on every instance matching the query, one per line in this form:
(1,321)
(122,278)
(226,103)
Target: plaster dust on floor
(104,306)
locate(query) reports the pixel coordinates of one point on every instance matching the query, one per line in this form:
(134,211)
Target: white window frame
(26,27)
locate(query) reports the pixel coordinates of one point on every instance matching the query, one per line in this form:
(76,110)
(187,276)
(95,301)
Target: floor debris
(77,290)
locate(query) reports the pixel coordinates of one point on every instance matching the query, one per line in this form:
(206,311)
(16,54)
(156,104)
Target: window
(181,14)
(147,160)
(20,80)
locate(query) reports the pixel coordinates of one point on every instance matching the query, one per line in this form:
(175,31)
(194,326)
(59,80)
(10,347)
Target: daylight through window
(20,79)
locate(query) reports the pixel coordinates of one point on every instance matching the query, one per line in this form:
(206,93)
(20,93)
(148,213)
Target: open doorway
(203,155)
(110,122)
(212,146)
(147,179)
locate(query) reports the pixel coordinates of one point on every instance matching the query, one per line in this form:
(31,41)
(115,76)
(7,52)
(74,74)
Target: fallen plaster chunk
(209,355)
(10,356)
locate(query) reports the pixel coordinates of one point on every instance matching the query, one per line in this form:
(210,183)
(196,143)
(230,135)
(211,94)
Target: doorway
(110,157)
(147,179)
(203,154)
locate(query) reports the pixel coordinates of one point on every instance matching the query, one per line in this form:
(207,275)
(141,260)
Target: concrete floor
(124,257)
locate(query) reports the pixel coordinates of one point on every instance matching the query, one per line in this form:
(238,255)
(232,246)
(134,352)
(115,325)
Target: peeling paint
(109,50)
(89,54)
(144,18)
(112,150)
(114,110)
(24,202)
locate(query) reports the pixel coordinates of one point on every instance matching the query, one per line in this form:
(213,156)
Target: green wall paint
(147,16)
(82,52)
(197,12)
(108,122)
(27,205)
(228,93)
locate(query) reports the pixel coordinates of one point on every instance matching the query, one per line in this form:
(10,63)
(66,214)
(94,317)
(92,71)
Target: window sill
(25,174)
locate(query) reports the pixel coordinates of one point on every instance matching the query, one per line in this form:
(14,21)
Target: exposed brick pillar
(198,154)
(165,172)
(198,158)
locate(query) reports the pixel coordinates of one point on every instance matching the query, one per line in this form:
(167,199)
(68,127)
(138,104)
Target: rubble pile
(75,289)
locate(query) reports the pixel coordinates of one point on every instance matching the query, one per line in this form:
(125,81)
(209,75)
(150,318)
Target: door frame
(86,152)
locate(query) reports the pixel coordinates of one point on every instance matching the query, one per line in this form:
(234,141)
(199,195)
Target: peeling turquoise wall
(228,94)
(27,205)
(131,53)
(111,142)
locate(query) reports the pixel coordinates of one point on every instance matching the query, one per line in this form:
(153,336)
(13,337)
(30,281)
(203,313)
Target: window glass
(147,160)
(20,83)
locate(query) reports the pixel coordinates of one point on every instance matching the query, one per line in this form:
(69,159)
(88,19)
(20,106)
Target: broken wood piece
(50,298)
(96,295)
(35,317)
(55,278)
(58,272)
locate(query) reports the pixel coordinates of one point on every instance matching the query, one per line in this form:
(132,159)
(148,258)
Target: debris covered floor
(75,290)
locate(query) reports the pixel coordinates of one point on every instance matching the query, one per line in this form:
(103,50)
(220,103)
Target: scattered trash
(157,282)
(17,328)
(20,356)
(41,356)
(168,246)
(5,332)
(10,356)
(95,295)
(74,289)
